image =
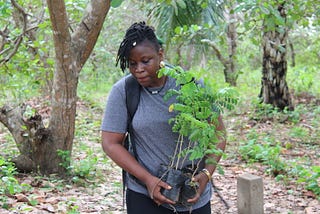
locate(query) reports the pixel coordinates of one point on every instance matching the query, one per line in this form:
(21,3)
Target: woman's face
(144,63)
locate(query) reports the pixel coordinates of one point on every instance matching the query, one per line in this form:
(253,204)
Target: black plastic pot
(188,190)
(175,179)
(163,172)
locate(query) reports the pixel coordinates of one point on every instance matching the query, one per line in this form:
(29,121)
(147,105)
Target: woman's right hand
(112,146)
(154,186)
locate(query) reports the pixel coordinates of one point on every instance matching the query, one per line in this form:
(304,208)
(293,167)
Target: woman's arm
(112,146)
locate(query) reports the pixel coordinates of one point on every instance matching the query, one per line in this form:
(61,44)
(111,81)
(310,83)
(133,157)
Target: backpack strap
(132,90)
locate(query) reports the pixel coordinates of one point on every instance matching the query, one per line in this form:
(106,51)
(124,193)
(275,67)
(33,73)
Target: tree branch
(12,119)
(86,34)
(59,22)
(5,35)
(216,50)
(19,39)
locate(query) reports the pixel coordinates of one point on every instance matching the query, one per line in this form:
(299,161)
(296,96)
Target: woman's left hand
(202,179)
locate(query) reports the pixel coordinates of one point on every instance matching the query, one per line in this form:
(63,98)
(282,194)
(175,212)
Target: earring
(162,64)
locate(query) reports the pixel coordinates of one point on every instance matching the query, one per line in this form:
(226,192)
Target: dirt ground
(105,194)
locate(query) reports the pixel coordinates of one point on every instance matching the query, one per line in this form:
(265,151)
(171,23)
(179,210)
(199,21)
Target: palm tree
(167,17)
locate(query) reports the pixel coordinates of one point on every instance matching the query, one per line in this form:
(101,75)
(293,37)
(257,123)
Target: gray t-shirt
(155,142)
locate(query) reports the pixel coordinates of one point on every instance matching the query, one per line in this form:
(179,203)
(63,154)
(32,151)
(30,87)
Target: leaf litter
(103,194)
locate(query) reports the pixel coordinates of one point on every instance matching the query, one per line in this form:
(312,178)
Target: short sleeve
(115,114)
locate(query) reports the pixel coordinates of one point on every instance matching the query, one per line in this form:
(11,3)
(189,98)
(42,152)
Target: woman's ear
(161,54)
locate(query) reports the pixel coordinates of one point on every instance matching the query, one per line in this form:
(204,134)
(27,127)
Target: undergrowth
(85,167)
(279,141)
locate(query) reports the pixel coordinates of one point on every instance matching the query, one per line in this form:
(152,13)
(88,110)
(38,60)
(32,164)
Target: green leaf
(182,4)
(195,135)
(178,30)
(196,27)
(264,10)
(204,5)
(175,7)
(116,3)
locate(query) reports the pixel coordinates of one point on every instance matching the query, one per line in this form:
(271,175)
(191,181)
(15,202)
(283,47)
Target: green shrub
(266,153)
(9,185)
(311,178)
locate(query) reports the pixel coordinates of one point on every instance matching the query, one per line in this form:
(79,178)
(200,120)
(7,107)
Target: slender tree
(228,60)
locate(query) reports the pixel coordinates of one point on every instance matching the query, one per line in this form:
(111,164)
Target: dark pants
(138,203)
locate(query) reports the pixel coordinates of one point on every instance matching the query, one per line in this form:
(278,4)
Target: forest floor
(101,189)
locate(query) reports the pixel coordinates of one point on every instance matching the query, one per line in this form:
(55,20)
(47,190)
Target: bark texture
(274,89)
(39,145)
(228,62)
(230,72)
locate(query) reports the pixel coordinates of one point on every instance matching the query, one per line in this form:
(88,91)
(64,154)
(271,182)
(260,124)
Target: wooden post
(250,194)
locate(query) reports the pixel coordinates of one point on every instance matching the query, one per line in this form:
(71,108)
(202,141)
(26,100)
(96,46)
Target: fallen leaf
(309,194)
(22,198)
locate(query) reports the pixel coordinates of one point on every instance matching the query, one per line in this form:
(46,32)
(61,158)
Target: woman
(142,54)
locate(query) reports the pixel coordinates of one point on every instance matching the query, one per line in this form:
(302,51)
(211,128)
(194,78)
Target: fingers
(202,180)
(163,200)
(152,185)
(158,197)
(157,202)
(154,189)
(196,178)
(195,198)
(164,185)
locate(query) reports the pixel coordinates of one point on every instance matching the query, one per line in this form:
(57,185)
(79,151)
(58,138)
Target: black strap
(132,90)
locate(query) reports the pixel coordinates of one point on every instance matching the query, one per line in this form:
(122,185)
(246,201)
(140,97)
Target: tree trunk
(39,146)
(28,133)
(228,62)
(274,89)
(230,72)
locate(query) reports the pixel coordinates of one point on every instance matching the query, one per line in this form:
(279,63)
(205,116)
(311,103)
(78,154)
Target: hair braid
(135,34)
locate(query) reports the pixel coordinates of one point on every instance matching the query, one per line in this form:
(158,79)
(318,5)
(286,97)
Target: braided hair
(135,34)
